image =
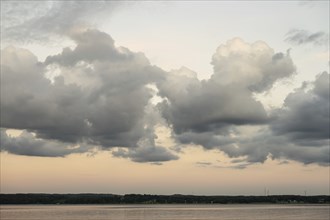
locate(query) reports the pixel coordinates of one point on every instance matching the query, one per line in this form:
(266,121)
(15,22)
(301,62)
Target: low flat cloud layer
(99,96)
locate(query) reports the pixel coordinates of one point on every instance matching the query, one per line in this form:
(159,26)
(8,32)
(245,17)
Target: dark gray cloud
(107,108)
(305,115)
(210,107)
(148,150)
(298,131)
(206,112)
(265,144)
(26,21)
(89,50)
(201,106)
(146,154)
(99,96)
(27,144)
(300,37)
(210,113)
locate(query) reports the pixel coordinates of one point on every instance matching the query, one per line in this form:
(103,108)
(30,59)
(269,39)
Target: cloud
(203,164)
(148,150)
(254,66)
(212,113)
(308,3)
(87,50)
(265,144)
(30,101)
(206,112)
(146,153)
(27,144)
(300,37)
(35,20)
(103,96)
(298,131)
(107,108)
(201,106)
(305,115)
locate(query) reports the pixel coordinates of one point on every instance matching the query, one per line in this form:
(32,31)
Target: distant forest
(157,199)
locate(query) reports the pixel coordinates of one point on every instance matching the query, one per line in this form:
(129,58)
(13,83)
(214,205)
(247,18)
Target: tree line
(157,199)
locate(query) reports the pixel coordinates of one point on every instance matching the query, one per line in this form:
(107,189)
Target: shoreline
(148,199)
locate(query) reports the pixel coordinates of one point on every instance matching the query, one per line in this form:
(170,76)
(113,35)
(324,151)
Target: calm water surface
(168,212)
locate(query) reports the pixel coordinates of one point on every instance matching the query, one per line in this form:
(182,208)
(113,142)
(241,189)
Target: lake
(168,212)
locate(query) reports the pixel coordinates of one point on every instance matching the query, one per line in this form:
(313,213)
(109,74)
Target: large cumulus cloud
(206,112)
(299,130)
(97,95)
(193,105)
(214,113)
(108,112)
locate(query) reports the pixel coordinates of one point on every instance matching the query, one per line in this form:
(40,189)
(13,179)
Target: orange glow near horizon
(103,173)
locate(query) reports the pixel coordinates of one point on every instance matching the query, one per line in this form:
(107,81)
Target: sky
(165,97)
